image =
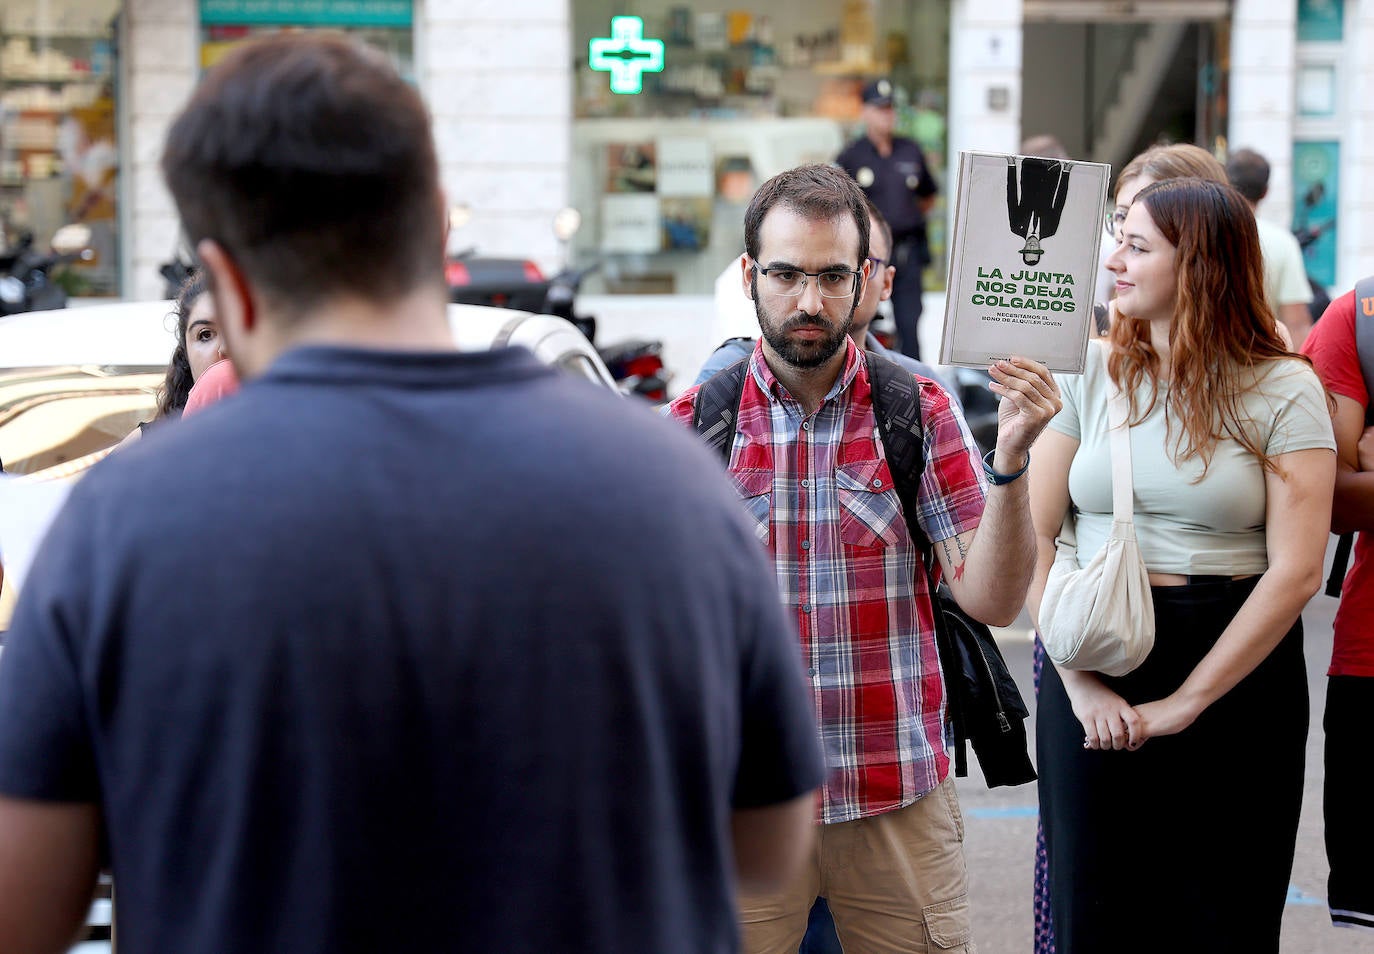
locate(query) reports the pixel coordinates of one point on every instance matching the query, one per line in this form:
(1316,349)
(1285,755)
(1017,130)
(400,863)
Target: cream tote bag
(1100,617)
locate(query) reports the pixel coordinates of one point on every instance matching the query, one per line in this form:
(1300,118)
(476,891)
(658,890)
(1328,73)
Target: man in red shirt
(1350,686)
(815,479)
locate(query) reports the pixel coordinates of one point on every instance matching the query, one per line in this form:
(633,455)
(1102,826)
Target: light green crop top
(1214,526)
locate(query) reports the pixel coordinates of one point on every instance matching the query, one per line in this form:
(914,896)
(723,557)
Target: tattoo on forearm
(956,565)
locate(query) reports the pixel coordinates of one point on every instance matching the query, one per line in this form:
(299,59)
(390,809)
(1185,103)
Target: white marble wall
(984,76)
(497,79)
(1355,255)
(1262,86)
(160,50)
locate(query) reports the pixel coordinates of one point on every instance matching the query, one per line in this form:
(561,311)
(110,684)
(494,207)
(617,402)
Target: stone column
(498,79)
(160,48)
(984,77)
(1262,108)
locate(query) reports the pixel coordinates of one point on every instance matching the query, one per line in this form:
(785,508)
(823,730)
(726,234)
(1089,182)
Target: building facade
(527,123)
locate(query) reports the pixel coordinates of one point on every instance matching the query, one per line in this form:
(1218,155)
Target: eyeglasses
(1115,219)
(879,262)
(790,282)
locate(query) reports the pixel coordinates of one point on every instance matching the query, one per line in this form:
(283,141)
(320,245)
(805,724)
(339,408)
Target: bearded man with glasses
(816,481)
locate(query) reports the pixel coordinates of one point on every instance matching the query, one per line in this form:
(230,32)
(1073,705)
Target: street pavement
(1000,830)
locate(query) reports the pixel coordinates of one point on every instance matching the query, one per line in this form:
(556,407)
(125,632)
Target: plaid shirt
(822,498)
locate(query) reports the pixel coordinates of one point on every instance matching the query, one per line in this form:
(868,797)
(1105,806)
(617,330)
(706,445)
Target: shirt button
(806,544)
(811,672)
(805,482)
(806,607)
(877,482)
(806,425)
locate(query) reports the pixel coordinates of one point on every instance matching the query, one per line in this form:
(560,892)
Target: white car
(74,382)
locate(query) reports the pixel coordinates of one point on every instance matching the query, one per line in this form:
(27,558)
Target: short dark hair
(311,161)
(874,215)
(1249,173)
(816,191)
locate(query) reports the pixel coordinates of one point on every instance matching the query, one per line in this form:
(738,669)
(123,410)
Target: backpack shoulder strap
(1364,336)
(717,407)
(1364,346)
(897,406)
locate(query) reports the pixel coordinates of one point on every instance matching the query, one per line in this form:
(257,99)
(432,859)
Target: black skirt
(1187,843)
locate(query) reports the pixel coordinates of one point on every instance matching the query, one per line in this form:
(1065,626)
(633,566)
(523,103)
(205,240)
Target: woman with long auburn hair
(1181,782)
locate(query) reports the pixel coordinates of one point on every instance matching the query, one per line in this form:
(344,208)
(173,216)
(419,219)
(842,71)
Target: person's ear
(747,274)
(886,276)
(234,302)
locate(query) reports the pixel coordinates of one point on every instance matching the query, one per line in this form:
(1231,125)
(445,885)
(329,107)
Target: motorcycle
(26,282)
(636,364)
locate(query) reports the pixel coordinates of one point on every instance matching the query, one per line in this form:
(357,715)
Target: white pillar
(161,47)
(984,76)
(498,80)
(1262,81)
(1355,254)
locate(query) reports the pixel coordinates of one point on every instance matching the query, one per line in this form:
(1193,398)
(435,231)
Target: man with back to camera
(366,712)
(1285,274)
(892,171)
(815,480)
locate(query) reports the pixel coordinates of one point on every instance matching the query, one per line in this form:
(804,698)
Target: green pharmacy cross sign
(626,55)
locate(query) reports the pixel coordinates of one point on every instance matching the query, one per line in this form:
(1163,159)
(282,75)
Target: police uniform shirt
(895,182)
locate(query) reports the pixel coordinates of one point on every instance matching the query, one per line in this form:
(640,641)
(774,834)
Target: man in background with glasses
(815,479)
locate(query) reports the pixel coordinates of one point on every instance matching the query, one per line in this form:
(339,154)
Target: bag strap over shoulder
(1119,436)
(1364,337)
(716,410)
(897,407)
(1364,347)
(1123,487)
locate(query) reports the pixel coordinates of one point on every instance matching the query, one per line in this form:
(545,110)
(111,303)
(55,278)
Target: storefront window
(384,24)
(59,148)
(663,176)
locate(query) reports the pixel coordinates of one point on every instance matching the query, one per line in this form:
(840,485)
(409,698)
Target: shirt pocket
(869,509)
(755,487)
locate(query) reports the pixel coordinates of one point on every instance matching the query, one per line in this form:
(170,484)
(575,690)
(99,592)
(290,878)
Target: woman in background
(199,345)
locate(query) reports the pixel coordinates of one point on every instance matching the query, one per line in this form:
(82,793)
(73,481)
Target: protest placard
(1023,260)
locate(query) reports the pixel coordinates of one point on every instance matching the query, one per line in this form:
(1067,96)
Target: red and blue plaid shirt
(823,501)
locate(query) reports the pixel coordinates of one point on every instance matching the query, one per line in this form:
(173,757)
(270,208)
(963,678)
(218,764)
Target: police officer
(892,171)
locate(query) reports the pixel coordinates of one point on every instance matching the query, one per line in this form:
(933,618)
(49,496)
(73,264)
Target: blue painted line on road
(1020,811)
(1296,896)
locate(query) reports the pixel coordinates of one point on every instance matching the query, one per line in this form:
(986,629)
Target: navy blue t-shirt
(410,652)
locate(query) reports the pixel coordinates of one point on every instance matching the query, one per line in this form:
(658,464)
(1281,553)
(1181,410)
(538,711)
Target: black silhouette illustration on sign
(1036,192)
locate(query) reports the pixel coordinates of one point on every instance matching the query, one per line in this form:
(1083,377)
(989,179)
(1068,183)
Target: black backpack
(985,707)
(1364,345)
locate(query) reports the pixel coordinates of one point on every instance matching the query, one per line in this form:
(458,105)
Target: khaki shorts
(896,883)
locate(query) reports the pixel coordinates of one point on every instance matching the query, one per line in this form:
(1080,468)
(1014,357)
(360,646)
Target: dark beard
(803,355)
